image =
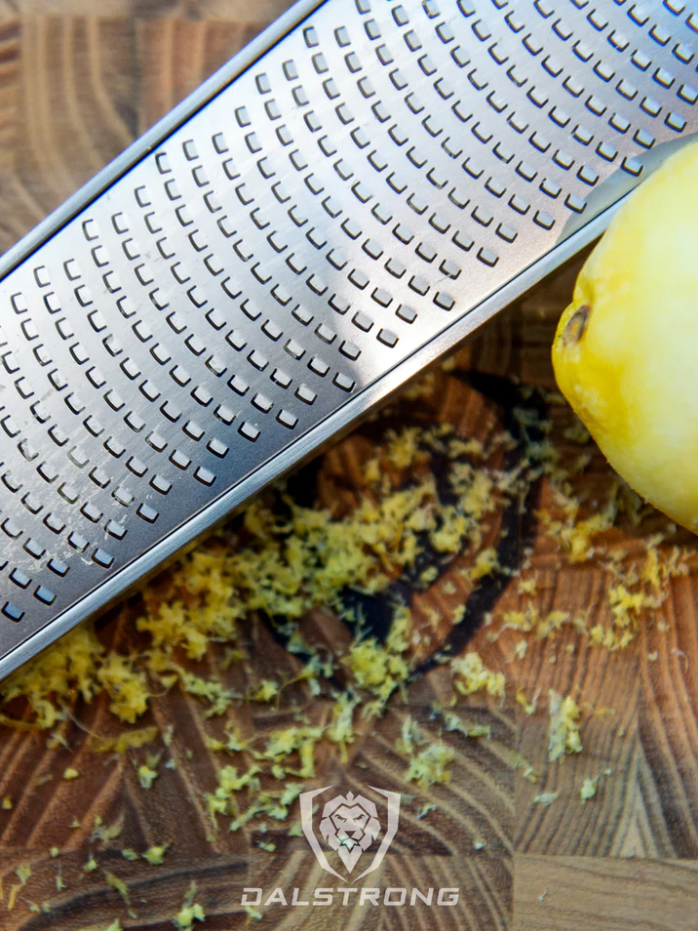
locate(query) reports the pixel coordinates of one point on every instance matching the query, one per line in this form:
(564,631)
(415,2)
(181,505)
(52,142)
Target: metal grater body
(338,207)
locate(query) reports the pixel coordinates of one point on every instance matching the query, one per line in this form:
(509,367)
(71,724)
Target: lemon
(626,349)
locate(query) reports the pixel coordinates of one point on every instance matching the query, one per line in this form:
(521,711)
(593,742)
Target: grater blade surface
(338,207)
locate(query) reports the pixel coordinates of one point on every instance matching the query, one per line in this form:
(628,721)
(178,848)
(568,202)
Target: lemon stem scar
(576,326)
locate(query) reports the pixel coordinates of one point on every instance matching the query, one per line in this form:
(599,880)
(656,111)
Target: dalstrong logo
(349,830)
(350,824)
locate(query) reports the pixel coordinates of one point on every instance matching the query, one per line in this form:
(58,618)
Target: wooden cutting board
(74,90)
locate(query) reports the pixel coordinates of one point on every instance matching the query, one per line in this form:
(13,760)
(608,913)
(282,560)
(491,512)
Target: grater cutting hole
(473,142)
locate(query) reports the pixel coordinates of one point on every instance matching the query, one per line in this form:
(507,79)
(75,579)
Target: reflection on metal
(335,209)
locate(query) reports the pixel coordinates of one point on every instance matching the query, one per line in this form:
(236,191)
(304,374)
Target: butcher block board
(78,81)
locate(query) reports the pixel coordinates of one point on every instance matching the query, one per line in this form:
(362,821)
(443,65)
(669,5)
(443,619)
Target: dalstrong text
(391,895)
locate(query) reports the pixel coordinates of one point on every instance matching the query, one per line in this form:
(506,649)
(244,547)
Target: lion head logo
(349,825)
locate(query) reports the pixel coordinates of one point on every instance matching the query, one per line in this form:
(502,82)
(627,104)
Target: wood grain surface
(79,79)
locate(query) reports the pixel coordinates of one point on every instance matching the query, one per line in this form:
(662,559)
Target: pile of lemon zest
(527,586)
(288,565)
(69,667)
(430,765)
(470,675)
(190,911)
(411,737)
(188,915)
(486,563)
(589,787)
(146,776)
(126,686)
(564,728)
(341,728)
(404,448)
(424,810)
(210,690)
(372,471)
(129,740)
(520,649)
(528,706)
(453,722)
(297,739)
(266,691)
(23,874)
(428,759)
(223,800)
(458,614)
(118,885)
(459,447)
(577,535)
(546,798)
(23,726)
(156,855)
(234,741)
(103,832)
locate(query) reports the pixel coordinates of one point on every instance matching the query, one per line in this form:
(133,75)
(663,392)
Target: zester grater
(340,205)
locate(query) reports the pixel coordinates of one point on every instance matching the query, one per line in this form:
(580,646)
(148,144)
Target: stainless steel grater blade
(340,205)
